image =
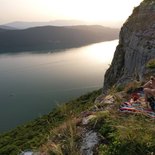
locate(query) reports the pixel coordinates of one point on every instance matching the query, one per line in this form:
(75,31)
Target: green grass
(151,64)
(127,135)
(57,133)
(124,133)
(35,133)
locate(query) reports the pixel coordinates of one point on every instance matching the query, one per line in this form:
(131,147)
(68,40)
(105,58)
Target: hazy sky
(46,10)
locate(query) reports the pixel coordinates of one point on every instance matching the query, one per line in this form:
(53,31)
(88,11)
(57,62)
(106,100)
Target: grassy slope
(125,133)
(36,133)
(57,132)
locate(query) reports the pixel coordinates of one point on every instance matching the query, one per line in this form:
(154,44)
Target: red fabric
(135,96)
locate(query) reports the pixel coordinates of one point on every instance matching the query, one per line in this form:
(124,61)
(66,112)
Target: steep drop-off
(136,46)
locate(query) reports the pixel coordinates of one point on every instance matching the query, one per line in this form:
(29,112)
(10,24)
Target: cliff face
(136,46)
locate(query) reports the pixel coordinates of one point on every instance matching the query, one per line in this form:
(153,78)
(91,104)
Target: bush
(151,64)
(133,135)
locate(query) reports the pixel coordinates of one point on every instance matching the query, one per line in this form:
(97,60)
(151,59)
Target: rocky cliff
(136,46)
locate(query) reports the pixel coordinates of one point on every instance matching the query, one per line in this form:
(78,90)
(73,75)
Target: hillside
(52,37)
(91,124)
(37,132)
(7,27)
(24,25)
(2,30)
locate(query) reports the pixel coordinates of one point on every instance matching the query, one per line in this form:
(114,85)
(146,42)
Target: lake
(31,84)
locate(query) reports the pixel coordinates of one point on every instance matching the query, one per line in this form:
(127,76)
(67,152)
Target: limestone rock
(136,46)
(90,140)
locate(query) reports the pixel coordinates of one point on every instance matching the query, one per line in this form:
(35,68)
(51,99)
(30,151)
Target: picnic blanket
(136,104)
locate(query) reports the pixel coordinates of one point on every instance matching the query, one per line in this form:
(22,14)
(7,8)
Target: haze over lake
(33,83)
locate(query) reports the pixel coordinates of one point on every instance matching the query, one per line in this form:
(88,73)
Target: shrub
(133,135)
(151,64)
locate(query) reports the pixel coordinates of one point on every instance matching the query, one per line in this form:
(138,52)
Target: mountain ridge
(24,24)
(27,24)
(7,27)
(54,37)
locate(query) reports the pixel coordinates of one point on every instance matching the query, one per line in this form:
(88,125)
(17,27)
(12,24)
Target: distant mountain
(2,30)
(24,25)
(7,27)
(53,37)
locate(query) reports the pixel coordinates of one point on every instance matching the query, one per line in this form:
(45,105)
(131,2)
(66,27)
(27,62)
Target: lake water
(32,84)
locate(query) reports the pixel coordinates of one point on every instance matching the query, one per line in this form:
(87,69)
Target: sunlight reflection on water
(33,83)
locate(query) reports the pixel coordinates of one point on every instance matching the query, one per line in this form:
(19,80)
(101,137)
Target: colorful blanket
(136,105)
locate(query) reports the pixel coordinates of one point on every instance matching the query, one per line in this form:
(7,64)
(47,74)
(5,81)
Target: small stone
(90,140)
(86,120)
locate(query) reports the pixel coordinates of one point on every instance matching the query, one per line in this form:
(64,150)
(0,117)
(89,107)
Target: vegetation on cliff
(151,64)
(60,132)
(35,133)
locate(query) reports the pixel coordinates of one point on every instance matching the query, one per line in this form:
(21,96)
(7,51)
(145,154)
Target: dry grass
(63,139)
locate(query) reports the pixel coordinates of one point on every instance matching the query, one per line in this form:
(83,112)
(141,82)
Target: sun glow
(99,10)
(86,10)
(94,10)
(107,53)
